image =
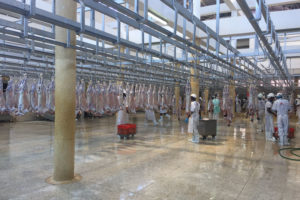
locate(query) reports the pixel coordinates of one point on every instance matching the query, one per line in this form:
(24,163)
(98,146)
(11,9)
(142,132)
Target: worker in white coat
(297,102)
(282,107)
(122,116)
(260,112)
(269,126)
(193,116)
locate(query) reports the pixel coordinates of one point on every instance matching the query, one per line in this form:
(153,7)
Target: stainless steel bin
(207,127)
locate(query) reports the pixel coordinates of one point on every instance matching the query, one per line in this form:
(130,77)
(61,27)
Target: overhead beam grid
(276,56)
(99,51)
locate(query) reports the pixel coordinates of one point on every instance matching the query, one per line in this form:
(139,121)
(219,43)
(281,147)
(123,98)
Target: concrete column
(177,94)
(177,91)
(194,80)
(232,93)
(194,83)
(65,81)
(206,91)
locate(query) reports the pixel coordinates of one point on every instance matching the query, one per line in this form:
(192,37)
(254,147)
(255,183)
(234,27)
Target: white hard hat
(124,91)
(298,96)
(279,94)
(194,95)
(260,95)
(270,95)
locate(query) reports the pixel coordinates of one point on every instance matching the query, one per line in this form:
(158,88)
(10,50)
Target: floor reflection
(159,163)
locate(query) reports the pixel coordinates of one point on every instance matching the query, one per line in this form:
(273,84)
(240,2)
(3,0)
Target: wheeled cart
(126,130)
(207,127)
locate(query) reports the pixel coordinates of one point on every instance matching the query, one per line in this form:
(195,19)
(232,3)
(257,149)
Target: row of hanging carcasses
(24,95)
(104,98)
(227,101)
(252,99)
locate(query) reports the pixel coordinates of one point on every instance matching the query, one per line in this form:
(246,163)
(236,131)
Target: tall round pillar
(65,82)
(232,93)
(194,83)
(206,99)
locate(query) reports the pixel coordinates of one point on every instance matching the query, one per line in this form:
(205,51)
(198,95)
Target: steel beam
(273,57)
(132,19)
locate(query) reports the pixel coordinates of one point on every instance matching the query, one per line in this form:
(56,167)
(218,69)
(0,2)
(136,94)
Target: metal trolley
(207,127)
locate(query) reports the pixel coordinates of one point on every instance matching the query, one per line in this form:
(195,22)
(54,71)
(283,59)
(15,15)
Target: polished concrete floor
(160,163)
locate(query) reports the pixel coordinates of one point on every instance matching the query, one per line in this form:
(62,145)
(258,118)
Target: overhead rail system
(27,42)
(275,54)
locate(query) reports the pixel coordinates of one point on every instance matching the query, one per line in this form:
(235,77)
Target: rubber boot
(193,139)
(285,141)
(197,137)
(281,140)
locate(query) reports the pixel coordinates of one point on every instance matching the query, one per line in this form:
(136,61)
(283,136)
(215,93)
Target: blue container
(186,120)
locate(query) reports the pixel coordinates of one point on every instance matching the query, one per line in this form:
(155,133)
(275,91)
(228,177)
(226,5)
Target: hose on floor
(292,151)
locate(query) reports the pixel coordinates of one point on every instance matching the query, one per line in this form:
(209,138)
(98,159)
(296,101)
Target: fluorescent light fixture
(157,18)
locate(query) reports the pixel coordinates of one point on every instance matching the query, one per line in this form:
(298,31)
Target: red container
(123,129)
(126,130)
(132,128)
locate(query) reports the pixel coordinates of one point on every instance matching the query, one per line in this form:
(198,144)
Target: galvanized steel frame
(38,38)
(276,56)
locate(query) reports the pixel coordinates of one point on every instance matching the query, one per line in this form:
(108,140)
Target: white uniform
(194,121)
(122,117)
(298,109)
(269,127)
(282,106)
(261,114)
